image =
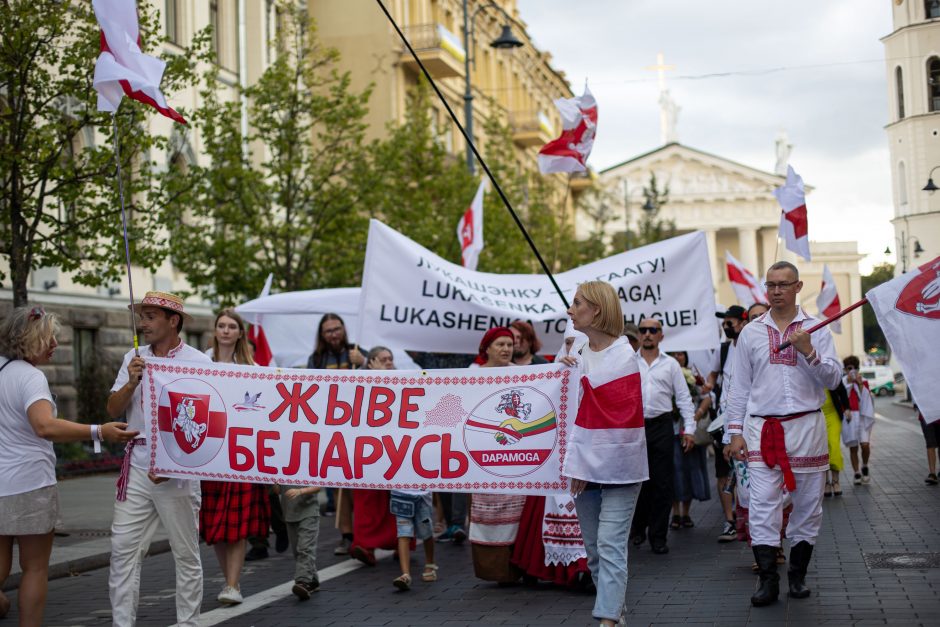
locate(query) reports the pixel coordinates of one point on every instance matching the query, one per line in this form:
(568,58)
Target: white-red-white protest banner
(908,312)
(794,223)
(747,289)
(414,299)
(569,152)
(468,430)
(828,300)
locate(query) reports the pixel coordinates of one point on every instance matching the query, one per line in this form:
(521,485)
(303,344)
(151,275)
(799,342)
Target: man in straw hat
(143,498)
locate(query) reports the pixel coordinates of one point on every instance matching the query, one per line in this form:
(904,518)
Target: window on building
(931,9)
(84,346)
(933,83)
(899,84)
(902,184)
(172,13)
(214,23)
(194,339)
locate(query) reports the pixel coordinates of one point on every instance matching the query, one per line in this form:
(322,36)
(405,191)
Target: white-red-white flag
(570,152)
(122,69)
(608,439)
(747,289)
(908,312)
(794,227)
(264,356)
(828,300)
(470,230)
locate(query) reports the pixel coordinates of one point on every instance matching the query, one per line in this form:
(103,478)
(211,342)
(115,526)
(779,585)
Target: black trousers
(655,501)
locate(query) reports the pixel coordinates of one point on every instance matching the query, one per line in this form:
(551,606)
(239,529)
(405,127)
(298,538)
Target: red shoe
(364,555)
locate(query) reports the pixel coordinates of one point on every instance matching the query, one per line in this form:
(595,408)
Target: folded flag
(794,227)
(263,354)
(608,440)
(908,312)
(122,69)
(569,153)
(828,300)
(747,289)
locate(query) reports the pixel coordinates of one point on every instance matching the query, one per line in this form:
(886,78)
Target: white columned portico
(747,240)
(712,240)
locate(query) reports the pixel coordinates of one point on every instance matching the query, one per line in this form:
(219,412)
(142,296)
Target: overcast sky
(832,101)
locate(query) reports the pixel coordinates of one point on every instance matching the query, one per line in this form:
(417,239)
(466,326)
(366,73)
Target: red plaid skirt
(233,511)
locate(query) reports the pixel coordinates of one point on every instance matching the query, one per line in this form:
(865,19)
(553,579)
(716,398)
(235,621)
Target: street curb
(70,568)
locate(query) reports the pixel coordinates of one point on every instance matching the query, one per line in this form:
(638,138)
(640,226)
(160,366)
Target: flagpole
(127,248)
(476,153)
(817,327)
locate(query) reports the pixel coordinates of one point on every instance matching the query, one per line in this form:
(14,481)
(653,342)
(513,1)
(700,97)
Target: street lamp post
(505,41)
(903,242)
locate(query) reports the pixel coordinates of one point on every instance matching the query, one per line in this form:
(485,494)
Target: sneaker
(448,534)
(728,532)
(459,536)
(230,596)
(931,479)
(866,478)
(256,553)
(343,547)
(858,479)
(303,589)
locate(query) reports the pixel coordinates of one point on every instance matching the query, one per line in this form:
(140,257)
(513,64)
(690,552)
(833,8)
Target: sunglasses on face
(650,330)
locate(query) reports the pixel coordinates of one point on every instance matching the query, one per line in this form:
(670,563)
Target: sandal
(676,522)
(828,490)
(781,556)
(687,522)
(430,572)
(836,488)
(403,582)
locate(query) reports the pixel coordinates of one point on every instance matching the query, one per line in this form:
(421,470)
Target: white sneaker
(230,596)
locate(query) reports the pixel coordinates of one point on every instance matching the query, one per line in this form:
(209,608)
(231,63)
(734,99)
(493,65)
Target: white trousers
(175,504)
(765,510)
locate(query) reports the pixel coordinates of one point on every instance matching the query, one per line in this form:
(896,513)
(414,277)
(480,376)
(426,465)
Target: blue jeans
(605,517)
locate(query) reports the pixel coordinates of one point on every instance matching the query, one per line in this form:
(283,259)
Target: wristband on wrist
(96,437)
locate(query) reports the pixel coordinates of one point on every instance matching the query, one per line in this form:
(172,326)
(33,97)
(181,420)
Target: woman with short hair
(29,502)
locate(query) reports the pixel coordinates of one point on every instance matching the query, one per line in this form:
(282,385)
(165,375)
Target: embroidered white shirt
(778,384)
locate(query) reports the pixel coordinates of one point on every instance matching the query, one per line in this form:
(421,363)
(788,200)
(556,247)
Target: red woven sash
(773,446)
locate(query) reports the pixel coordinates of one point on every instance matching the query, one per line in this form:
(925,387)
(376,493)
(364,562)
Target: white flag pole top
(747,289)
(470,229)
(828,299)
(908,312)
(570,151)
(122,69)
(794,225)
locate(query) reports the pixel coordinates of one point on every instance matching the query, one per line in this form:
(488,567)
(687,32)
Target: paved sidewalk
(877,563)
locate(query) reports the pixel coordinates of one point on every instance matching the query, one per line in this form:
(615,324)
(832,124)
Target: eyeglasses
(650,330)
(332,331)
(36,313)
(773,287)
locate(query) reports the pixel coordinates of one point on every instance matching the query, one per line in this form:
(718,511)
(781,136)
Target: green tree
(651,227)
(58,198)
(873,336)
(288,197)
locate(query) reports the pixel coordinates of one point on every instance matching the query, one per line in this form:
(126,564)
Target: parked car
(880,379)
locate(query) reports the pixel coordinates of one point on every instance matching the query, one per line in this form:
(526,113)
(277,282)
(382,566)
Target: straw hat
(163,300)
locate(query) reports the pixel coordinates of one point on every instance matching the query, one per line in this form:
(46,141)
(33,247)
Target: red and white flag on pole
(828,300)
(122,69)
(263,354)
(608,440)
(470,230)
(747,289)
(794,227)
(569,153)
(908,312)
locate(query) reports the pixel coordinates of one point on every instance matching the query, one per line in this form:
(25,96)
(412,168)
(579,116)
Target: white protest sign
(467,430)
(415,299)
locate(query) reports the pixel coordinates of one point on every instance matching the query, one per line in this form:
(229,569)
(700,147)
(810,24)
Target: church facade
(734,205)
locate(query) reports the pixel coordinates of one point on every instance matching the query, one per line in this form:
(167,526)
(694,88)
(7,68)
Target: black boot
(769,589)
(800,554)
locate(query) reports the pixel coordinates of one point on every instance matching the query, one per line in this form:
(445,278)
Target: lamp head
(918,249)
(930,187)
(506,40)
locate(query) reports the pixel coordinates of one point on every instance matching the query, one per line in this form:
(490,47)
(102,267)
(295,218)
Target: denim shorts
(419,526)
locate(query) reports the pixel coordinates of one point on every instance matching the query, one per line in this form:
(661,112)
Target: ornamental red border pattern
(795,462)
(564,375)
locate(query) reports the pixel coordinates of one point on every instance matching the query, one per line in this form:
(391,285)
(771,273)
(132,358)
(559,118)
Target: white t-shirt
(27,462)
(137,420)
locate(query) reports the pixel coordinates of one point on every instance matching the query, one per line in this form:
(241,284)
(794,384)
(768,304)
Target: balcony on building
(581,181)
(531,128)
(440,51)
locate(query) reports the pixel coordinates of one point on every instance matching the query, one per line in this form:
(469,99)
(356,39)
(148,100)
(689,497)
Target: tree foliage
(873,336)
(58,196)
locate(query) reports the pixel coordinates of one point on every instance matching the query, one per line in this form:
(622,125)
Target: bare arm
(48,427)
(121,398)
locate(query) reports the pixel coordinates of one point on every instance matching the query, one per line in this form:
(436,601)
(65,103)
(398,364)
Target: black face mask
(730,333)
